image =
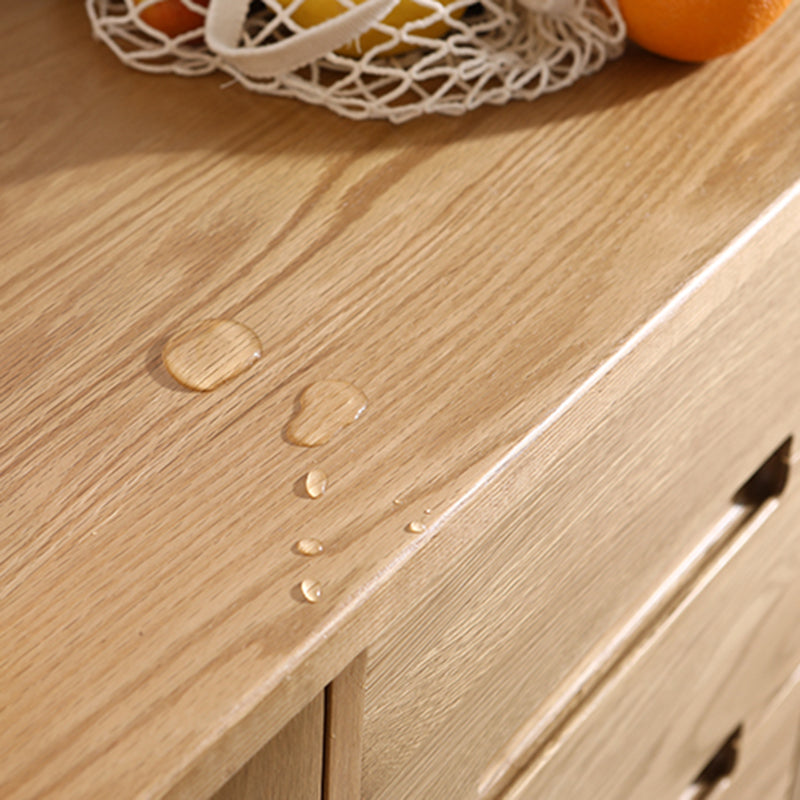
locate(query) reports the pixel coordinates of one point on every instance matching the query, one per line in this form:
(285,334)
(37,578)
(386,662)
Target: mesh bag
(378,59)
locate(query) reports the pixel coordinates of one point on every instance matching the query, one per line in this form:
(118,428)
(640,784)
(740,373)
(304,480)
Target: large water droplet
(209,353)
(325,408)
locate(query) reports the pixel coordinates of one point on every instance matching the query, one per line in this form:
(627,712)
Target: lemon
(313,12)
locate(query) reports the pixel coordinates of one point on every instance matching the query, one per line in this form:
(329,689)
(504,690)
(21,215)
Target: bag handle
(225,21)
(553,8)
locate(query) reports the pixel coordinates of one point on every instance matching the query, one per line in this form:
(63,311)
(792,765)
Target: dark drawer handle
(718,769)
(769,480)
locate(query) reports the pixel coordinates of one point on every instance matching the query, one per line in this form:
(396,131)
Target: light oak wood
(712,665)
(343,731)
(478,278)
(289,767)
(768,756)
(514,634)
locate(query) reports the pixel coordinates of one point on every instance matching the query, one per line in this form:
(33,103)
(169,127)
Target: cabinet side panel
(289,766)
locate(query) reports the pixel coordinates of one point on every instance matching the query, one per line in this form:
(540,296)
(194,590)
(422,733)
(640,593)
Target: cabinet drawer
(768,765)
(578,544)
(710,668)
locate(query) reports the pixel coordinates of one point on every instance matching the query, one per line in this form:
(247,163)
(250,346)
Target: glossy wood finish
(477,278)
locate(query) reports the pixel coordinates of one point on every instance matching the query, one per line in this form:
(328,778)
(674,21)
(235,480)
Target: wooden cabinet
(767,765)
(561,546)
(545,603)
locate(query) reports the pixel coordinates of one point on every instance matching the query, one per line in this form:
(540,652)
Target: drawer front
(711,668)
(534,597)
(769,759)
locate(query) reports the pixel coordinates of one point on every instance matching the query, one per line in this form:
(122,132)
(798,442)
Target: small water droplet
(209,353)
(428,511)
(416,527)
(312,590)
(316,483)
(398,501)
(325,408)
(309,547)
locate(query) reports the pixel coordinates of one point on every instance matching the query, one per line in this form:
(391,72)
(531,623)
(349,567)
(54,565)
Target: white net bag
(376,59)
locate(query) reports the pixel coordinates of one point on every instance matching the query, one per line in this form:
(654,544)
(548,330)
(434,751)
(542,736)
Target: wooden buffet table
(577,324)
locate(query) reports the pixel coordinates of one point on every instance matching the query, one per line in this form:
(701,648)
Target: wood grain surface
(469,275)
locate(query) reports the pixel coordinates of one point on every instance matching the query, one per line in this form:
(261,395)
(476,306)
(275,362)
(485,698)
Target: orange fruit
(697,30)
(172,16)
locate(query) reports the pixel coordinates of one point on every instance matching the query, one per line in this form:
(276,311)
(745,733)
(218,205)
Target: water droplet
(428,511)
(416,527)
(398,501)
(311,589)
(209,353)
(309,547)
(316,483)
(325,408)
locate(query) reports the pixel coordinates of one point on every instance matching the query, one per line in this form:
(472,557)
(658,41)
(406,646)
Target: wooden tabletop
(471,276)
